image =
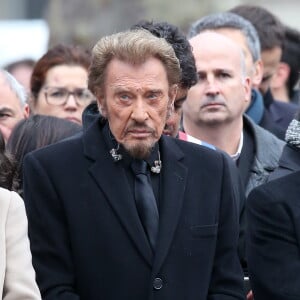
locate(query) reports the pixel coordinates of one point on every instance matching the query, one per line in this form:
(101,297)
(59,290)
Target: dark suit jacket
(88,242)
(289,162)
(277,115)
(273,241)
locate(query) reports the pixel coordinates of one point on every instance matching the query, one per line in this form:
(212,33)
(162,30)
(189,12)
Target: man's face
(136,100)
(173,122)
(222,91)
(271,59)
(11,110)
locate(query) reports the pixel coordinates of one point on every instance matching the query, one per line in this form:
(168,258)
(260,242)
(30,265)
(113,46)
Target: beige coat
(17,276)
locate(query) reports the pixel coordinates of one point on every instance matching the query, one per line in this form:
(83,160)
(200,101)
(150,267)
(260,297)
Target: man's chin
(139,150)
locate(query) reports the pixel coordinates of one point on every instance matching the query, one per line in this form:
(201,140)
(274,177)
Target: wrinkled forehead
(151,70)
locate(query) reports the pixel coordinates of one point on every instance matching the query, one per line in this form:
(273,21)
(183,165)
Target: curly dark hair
(7,168)
(181,46)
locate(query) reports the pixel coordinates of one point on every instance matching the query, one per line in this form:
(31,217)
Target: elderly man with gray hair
(13,105)
(124,211)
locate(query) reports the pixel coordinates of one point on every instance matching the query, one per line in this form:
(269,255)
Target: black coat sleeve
(273,243)
(50,246)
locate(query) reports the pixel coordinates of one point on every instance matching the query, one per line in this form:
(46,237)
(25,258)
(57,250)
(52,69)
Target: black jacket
(277,115)
(87,240)
(273,239)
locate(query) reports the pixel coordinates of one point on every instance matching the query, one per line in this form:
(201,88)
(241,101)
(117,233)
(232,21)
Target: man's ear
(258,73)
(170,109)
(247,87)
(173,93)
(26,111)
(281,76)
(101,101)
(172,97)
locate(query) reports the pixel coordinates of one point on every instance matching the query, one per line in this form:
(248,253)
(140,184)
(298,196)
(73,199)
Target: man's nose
(139,111)
(212,86)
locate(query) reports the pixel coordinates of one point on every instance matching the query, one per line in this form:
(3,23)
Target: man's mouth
(139,133)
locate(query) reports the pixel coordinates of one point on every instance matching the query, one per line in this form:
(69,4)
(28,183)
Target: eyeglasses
(59,96)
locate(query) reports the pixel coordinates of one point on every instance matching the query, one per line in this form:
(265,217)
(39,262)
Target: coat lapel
(111,179)
(174,175)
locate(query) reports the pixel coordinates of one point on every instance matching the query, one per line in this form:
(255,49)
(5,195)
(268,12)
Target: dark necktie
(145,200)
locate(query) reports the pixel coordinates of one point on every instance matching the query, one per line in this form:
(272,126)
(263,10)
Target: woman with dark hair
(17,276)
(7,168)
(34,133)
(59,83)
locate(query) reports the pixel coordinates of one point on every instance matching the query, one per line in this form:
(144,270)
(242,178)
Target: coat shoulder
(277,189)
(8,200)
(199,156)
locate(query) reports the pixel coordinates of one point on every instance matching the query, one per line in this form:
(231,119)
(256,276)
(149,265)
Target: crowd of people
(159,165)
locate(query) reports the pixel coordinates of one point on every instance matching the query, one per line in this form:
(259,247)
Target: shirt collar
(237,154)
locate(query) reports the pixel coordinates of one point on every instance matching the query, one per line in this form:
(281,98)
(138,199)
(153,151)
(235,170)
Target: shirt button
(157,283)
